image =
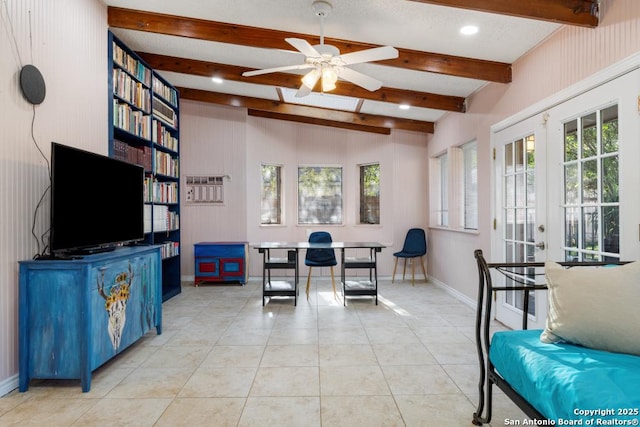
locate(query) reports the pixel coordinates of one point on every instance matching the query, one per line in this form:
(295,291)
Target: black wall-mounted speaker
(32,84)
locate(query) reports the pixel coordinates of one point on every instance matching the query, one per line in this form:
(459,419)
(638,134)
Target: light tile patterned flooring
(225,360)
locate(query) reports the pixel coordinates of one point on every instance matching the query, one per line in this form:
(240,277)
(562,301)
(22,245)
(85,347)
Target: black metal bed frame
(486,292)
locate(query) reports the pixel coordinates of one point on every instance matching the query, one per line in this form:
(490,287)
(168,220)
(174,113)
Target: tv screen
(97,202)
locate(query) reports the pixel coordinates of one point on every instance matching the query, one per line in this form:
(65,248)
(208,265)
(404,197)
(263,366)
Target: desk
(349,287)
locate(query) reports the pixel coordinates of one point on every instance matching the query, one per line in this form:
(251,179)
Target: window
(591,198)
(319,195)
(370,194)
(470,186)
(440,190)
(271,197)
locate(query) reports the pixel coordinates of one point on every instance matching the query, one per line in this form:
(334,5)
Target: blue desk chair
(320,257)
(415,246)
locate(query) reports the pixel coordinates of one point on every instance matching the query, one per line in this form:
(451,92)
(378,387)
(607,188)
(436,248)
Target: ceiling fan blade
(359,79)
(304,47)
(369,55)
(308,83)
(276,69)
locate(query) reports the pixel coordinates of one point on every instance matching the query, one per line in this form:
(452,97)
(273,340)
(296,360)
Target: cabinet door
(123,301)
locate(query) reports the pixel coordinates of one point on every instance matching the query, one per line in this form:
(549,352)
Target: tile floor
(225,360)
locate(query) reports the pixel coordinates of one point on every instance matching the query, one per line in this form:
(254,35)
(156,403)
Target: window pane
(271,200)
(444,191)
(370,194)
(508,158)
(319,195)
(470,197)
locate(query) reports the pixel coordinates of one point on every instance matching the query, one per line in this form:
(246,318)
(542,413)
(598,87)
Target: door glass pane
(571,184)
(509,223)
(519,155)
(610,129)
(531,188)
(531,151)
(590,228)
(589,136)
(611,229)
(571,223)
(571,141)
(610,179)
(531,229)
(508,158)
(590,181)
(520,225)
(509,190)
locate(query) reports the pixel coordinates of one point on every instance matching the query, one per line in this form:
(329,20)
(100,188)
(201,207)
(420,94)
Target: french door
(520,216)
(566,186)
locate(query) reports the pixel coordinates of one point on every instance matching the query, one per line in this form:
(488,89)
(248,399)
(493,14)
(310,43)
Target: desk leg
(343,277)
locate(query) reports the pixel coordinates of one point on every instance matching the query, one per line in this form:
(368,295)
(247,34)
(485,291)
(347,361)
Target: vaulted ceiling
(437,68)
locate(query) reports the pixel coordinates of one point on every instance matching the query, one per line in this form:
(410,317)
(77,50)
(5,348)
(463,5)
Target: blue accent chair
(415,246)
(320,257)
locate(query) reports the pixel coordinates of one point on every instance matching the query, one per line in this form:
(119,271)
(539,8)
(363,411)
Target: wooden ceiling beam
(305,114)
(292,81)
(267,38)
(570,12)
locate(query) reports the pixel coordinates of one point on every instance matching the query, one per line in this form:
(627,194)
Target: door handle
(540,245)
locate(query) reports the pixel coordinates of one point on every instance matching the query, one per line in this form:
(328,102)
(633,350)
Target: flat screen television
(97,202)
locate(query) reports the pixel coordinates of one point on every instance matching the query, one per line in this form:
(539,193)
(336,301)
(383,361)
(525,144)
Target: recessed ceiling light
(469,30)
(217,80)
(404,106)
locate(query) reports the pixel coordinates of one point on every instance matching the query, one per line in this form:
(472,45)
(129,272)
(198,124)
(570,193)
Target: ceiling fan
(327,64)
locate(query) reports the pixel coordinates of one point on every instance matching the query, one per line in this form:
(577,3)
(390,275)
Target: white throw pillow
(596,307)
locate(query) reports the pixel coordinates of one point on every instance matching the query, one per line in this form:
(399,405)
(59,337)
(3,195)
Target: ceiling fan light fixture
(311,78)
(329,79)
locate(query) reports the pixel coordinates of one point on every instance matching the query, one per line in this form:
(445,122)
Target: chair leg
(395,266)
(308,282)
(424,271)
(404,270)
(413,272)
(333,282)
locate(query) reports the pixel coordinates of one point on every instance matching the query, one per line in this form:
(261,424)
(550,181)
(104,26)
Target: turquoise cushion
(569,382)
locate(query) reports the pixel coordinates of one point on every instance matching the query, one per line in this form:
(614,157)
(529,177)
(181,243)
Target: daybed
(588,370)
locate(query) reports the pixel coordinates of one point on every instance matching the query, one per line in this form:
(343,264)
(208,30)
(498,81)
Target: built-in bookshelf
(144,129)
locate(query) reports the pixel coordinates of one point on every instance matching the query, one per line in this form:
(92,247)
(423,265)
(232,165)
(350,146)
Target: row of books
(169,249)
(159,218)
(131,65)
(136,155)
(160,192)
(133,121)
(165,113)
(168,93)
(130,90)
(161,135)
(166,164)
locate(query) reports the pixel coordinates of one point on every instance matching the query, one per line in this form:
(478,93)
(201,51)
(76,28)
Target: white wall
(67,41)
(569,56)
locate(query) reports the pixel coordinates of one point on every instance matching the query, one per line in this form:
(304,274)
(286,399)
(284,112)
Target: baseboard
(454,293)
(8,385)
